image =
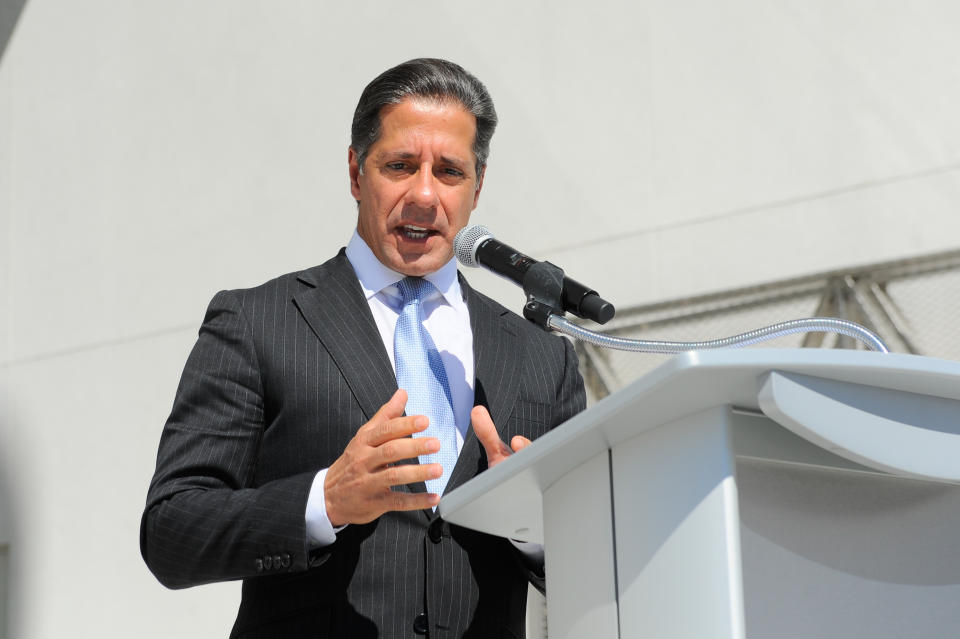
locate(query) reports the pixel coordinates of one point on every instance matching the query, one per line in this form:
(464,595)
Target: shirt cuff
(320,532)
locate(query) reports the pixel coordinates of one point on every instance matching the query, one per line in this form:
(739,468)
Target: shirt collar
(375,277)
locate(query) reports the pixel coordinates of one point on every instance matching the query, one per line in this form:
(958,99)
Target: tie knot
(414,289)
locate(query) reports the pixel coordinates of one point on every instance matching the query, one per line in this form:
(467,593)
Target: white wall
(154,152)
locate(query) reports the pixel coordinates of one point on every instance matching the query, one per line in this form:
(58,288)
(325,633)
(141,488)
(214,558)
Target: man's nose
(423,191)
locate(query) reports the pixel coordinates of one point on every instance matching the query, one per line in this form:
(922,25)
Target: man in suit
(288,460)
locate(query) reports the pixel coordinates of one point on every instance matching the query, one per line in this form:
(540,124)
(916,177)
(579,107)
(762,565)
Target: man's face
(418,186)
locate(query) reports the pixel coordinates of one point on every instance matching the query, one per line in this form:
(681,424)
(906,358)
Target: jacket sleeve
(204,519)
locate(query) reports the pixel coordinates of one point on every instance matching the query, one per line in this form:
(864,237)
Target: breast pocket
(530,419)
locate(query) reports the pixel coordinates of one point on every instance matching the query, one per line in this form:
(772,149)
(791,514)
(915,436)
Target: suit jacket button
(435,530)
(259,564)
(267,562)
(420,624)
(285,560)
(277,565)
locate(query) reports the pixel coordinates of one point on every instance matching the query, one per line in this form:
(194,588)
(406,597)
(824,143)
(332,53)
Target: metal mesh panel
(911,304)
(930,304)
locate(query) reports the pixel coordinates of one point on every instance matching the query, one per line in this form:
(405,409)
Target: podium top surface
(509,495)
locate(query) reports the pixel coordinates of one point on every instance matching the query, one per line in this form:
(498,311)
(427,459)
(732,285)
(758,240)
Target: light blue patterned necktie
(420,372)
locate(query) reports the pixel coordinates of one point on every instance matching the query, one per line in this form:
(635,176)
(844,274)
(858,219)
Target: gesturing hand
(357,488)
(486,432)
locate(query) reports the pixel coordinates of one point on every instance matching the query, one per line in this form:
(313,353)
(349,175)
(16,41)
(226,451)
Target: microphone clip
(543,286)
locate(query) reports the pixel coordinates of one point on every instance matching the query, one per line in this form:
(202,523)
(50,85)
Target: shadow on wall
(10,11)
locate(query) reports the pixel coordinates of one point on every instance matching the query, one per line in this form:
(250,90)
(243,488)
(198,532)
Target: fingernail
(432,445)
(421,422)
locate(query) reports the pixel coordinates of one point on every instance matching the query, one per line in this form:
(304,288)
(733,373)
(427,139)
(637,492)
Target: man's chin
(420,265)
(417,269)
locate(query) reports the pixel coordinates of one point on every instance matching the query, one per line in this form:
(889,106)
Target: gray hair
(429,78)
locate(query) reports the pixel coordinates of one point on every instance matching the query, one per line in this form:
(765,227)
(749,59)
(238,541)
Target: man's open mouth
(415,232)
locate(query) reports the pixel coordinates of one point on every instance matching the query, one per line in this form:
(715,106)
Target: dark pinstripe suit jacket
(280,378)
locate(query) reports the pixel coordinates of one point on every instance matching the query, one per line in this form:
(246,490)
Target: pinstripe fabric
(281,377)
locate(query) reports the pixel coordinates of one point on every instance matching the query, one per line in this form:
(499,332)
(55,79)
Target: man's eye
(453,172)
(396,166)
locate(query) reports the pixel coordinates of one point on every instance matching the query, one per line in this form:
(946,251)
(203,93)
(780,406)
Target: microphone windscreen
(466,242)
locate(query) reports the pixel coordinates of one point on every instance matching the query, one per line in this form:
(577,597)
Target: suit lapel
(496,359)
(337,311)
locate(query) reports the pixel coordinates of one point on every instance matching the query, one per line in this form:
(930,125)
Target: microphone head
(466,242)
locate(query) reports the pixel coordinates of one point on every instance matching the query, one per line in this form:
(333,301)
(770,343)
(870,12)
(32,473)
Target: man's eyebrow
(452,160)
(401,155)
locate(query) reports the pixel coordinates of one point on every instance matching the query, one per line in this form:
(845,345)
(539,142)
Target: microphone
(476,246)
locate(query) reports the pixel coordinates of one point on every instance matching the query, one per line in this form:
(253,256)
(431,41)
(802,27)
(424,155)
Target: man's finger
(519,442)
(381,432)
(396,450)
(483,427)
(487,434)
(396,500)
(393,408)
(409,474)
(389,423)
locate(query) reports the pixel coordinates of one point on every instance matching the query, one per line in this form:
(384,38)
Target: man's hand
(357,488)
(486,432)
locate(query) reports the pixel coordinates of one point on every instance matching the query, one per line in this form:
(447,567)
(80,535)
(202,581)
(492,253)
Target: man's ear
(353,164)
(476,194)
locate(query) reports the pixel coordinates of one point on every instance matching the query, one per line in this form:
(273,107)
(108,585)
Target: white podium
(775,493)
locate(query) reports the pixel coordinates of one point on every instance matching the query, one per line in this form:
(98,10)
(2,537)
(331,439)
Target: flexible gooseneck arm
(811,325)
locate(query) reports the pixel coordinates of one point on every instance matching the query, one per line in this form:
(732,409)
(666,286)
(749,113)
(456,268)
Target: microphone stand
(543,286)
